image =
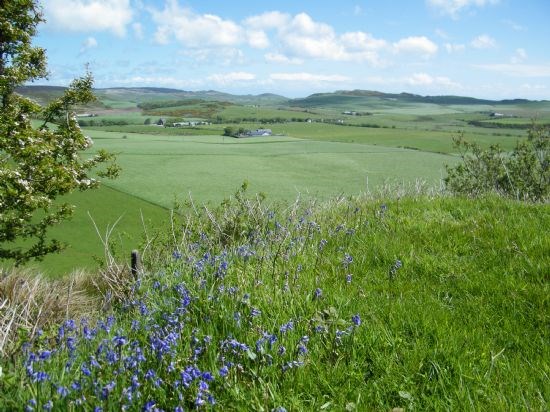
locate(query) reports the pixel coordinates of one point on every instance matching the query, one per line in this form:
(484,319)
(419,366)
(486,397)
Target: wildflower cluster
(216,315)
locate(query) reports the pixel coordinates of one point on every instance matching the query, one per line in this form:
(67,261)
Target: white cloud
(88,44)
(518,70)
(514,26)
(453,48)
(309,77)
(89,15)
(267,21)
(423,79)
(230,78)
(303,37)
(257,39)
(416,44)
(483,41)
(224,56)
(519,56)
(138,30)
(281,59)
(194,30)
(454,7)
(307,38)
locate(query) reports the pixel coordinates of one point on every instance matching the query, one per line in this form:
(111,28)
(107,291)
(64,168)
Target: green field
(318,152)
(208,168)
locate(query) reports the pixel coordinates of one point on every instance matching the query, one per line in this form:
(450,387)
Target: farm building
(260,132)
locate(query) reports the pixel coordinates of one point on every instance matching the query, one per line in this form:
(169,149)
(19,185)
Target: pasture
(393,140)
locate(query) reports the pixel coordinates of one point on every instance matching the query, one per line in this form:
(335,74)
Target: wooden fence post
(135,263)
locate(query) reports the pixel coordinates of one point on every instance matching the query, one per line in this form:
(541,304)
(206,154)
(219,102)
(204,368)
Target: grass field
(405,141)
(105,206)
(162,168)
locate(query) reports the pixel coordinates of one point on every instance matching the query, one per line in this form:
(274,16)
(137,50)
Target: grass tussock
(31,303)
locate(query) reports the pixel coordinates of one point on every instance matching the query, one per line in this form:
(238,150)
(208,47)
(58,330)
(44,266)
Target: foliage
(228,131)
(37,165)
(348,305)
(522,174)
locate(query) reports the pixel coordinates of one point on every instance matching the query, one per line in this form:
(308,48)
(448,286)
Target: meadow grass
(103,208)
(356,304)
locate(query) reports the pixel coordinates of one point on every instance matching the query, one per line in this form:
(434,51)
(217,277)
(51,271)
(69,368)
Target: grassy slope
(105,206)
(463,324)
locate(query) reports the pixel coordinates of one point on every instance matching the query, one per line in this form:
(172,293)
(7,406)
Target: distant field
(393,139)
(210,168)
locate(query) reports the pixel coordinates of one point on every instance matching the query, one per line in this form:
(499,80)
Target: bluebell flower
(76,386)
(135,325)
(48,405)
(278,409)
(302,350)
(107,389)
(255,312)
(70,324)
(149,406)
(88,333)
(281,350)
(347,260)
(348,278)
(176,254)
(31,405)
(287,327)
(322,244)
(291,365)
(318,293)
(62,391)
(223,371)
(84,369)
(44,355)
(356,319)
(40,376)
(210,399)
(179,409)
(135,382)
(71,343)
(207,376)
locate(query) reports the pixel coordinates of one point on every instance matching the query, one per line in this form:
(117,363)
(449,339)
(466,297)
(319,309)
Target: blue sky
(483,48)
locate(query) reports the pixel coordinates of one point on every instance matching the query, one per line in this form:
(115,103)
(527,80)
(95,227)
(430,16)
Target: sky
(482,48)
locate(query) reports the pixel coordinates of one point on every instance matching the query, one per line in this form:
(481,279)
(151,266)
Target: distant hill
(375,99)
(136,95)
(132,97)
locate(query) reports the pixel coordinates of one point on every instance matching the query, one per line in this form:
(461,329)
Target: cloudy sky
(482,48)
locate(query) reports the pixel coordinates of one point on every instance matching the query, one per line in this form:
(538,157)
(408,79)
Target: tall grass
(357,304)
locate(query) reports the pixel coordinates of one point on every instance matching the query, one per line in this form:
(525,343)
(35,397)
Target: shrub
(522,174)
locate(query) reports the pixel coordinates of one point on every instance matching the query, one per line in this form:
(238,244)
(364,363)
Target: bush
(522,174)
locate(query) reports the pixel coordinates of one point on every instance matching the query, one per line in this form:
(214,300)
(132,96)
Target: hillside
(135,95)
(375,99)
(356,304)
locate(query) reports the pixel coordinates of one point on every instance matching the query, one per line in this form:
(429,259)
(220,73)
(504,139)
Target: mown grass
(416,303)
